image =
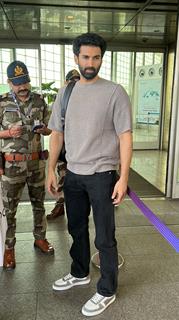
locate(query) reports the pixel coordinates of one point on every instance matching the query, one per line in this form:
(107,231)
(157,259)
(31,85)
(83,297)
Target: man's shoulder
(117,86)
(4,96)
(37,95)
(38,98)
(108,83)
(5,99)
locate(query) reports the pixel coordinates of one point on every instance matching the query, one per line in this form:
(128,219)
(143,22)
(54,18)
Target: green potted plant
(49,92)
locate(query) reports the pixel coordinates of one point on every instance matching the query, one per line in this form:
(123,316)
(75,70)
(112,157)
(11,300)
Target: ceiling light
(5,23)
(70,17)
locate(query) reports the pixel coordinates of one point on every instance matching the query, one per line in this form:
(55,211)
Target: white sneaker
(97,304)
(70,281)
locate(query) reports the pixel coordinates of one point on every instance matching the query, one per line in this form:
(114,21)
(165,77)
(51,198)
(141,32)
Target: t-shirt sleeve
(55,122)
(122,113)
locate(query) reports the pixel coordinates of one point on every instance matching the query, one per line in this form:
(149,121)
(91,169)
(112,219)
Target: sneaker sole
(60,288)
(95,313)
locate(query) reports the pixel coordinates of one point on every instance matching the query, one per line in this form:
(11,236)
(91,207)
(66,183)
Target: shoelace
(67,277)
(97,298)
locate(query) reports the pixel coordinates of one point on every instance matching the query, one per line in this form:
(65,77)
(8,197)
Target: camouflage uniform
(61,170)
(32,172)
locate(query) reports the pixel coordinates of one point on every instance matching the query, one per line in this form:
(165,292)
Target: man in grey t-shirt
(97,131)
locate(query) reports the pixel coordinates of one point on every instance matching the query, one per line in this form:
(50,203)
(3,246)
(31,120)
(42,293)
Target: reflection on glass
(147,100)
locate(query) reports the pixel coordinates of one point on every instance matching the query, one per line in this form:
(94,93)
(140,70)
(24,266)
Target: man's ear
(9,83)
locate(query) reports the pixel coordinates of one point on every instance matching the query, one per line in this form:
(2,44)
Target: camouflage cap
(17,73)
(72,75)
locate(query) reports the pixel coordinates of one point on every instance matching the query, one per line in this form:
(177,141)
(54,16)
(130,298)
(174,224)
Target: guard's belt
(41,155)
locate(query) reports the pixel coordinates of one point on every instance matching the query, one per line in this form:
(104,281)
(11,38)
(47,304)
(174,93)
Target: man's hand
(15,131)
(52,186)
(44,130)
(119,192)
(120,188)
(55,145)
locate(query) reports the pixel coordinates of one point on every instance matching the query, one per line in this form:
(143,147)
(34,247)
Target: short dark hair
(89,39)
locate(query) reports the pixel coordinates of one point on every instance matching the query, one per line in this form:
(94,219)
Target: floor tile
(18,307)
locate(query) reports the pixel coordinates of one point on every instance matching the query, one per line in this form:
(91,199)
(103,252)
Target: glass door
(147,100)
(173,159)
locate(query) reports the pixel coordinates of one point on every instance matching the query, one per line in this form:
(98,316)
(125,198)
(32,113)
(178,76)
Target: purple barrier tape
(158,224)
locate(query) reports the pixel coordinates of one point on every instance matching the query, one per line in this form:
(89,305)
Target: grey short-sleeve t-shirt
(97,114)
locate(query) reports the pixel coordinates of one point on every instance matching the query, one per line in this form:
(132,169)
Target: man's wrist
(51,168)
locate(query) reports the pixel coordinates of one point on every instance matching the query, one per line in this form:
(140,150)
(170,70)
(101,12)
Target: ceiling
(134,24)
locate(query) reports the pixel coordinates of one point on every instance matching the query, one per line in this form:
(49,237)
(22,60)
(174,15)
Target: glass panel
(58,23)
(21,20)
(51,64)
(121,20)
(168,99)
(69,59)
(147,100)
(148,58)
(5,59)
(123,70)
(97,20)
(30,58)
(140,59)
(105,71)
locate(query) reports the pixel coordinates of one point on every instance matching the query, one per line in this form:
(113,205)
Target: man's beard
(89,75)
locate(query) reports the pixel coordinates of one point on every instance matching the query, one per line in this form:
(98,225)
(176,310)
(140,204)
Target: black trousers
(81,193)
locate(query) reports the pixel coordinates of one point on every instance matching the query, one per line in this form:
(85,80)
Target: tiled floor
(148,281)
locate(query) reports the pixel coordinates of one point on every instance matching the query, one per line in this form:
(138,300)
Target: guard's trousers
(16,175)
